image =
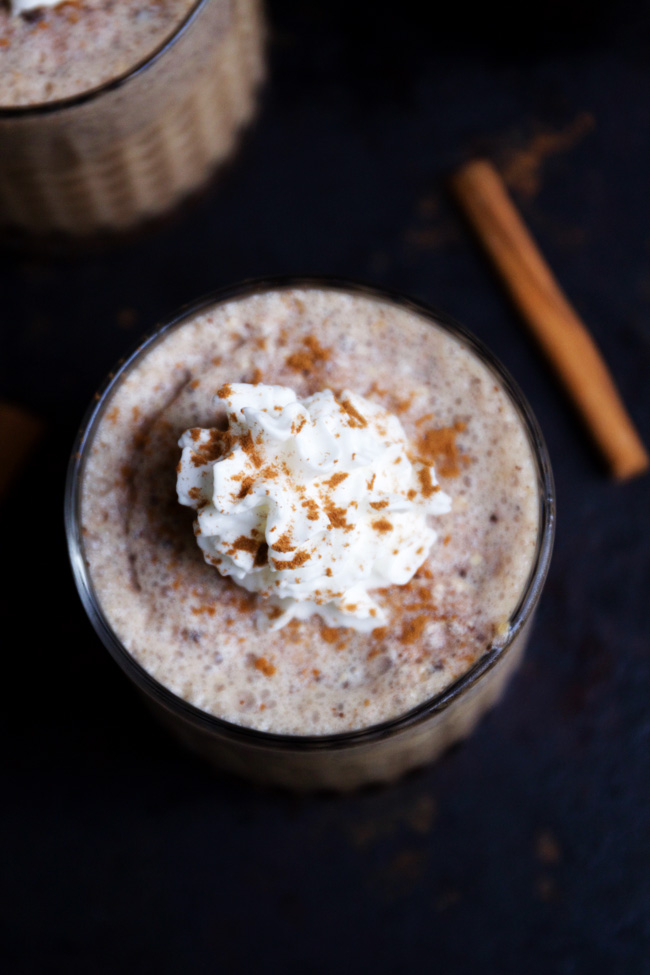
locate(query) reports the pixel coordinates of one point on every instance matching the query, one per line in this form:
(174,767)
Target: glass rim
(207,722)
(90,94)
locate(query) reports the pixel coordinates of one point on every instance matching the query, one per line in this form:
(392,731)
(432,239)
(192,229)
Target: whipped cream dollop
(22,6)
(310,502)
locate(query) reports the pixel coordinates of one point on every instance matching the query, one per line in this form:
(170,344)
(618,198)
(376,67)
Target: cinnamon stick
(564,338)
(19,433)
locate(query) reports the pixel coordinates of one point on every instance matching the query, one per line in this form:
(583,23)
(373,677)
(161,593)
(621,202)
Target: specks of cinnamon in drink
(439,447)
(265,666)
(309,356)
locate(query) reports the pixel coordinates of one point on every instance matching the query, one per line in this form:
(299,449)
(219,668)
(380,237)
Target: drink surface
(61,51)
(197,632)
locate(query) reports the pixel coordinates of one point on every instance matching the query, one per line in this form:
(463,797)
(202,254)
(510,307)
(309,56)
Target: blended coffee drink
(110,112)
(370,527)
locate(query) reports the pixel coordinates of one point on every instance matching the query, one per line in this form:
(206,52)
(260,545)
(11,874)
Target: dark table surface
(527,849)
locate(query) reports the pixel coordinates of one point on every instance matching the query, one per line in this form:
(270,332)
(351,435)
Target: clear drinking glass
(112,157)
(352,759)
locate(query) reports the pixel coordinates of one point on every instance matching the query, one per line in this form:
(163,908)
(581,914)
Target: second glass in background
(113,157)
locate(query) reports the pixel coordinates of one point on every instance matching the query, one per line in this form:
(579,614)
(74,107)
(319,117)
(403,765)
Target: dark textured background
(528,848)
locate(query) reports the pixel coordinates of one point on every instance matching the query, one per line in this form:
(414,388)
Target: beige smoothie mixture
(54,52)
(201,634)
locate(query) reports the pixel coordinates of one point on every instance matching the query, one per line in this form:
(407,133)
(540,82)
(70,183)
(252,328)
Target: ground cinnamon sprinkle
(293,631)
(199,610)
(440,448)
(305,360)
(382,525)
(427,487)
(283,543)
(336,517)
(245,487)
(414,628)
(245,544)
(295,562)
(378,636)
(336,479)
(241,601)
(224,391)
(267,668)
(247,445)
(378,505)
(316,348)
(312,509)
(355,419)
(300,361)
(219,442)
(402,405)
(422,592)
(330,634)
